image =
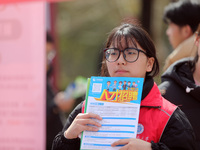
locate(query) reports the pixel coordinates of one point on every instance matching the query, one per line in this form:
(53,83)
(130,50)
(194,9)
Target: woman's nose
(121,59)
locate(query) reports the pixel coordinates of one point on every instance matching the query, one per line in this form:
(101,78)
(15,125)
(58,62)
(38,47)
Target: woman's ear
(187,31)
(150,63)
(197,39)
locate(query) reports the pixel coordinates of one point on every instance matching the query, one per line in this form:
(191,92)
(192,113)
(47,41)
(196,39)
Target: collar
(151,96)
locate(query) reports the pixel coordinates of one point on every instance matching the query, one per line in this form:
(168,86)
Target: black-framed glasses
(129,54)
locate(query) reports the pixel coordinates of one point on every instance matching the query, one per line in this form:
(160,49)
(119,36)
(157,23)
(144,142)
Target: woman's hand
(81,123)
(133,144)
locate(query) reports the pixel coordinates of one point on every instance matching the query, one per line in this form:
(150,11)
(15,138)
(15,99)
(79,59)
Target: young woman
(129,52)
(181,86)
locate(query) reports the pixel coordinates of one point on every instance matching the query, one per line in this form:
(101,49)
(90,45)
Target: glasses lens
(131,55)
(111,54)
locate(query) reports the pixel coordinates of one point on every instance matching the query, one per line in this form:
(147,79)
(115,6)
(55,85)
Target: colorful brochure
(117,101)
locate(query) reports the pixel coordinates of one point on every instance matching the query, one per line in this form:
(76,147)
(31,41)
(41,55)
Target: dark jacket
(53,120)
(178,87)
(178,133)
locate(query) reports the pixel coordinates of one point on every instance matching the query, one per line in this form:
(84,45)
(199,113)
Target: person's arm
(178,134)
(77,122)
(60,142)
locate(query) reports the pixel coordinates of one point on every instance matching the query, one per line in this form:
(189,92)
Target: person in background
(55,101)
(130,52)
(182,18)
(181,85)
(53,120)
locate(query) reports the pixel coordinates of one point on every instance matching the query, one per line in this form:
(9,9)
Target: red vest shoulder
(153,120)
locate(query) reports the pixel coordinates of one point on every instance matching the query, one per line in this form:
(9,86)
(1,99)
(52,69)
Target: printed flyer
(117,101)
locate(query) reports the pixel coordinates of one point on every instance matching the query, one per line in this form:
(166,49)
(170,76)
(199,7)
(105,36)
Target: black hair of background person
(182,15)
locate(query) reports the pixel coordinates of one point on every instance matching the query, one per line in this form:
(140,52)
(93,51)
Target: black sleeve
(178,134)
(60,142)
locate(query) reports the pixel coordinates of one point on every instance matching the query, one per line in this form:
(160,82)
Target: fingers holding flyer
(83,122)
(133,143)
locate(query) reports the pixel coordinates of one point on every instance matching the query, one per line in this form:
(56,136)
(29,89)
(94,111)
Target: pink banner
(22,76)
(15,1)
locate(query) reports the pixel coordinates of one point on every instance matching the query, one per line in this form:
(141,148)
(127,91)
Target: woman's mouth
(121,71)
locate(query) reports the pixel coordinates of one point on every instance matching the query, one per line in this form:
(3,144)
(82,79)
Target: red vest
(155,112)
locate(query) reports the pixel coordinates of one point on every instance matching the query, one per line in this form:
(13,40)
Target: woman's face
(176,34)
(122,68)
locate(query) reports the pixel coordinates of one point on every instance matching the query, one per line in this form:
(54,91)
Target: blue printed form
(117,100)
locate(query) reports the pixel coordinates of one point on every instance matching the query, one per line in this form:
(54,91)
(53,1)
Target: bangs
(122,40)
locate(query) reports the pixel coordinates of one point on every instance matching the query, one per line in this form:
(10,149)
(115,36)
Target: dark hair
(136,34)
(49,38)
(193,64)
(183,13)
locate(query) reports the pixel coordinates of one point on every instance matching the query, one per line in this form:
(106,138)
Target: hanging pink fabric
(15,1)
